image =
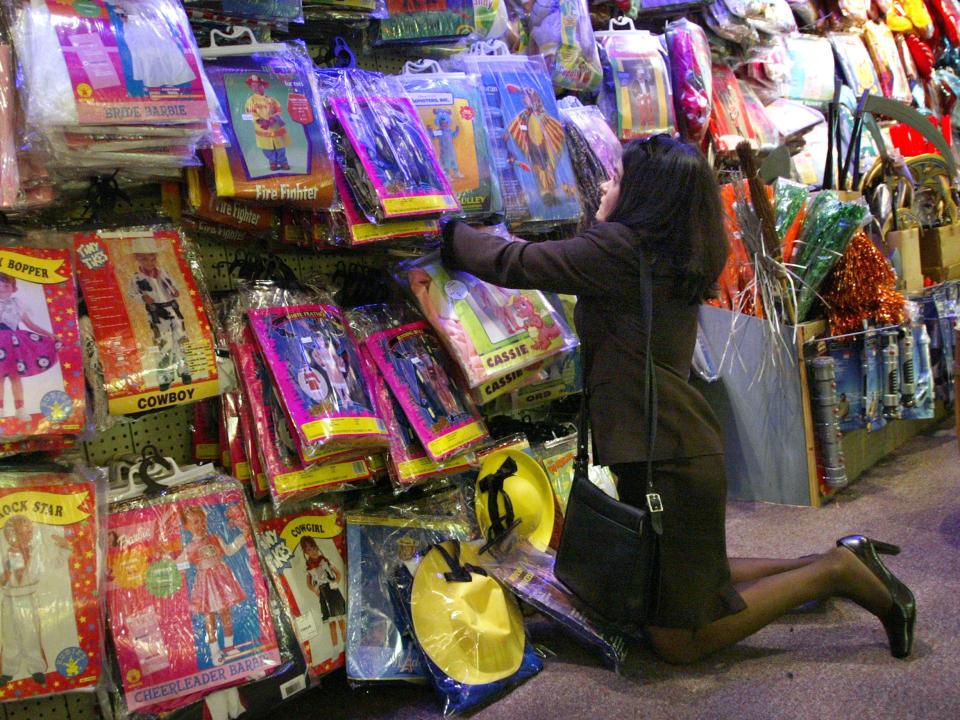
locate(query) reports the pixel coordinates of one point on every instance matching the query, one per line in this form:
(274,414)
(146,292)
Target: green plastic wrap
(788,199)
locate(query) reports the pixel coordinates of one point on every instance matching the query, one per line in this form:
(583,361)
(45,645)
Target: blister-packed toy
(381,143)
(637,96)
(490,331)
(886,59)
(305,551)
(50,561)
(275,146)
(41,359)
(594,149)
(452,111)
(691,77)
(535,174)
(730,121)
(188,602)
(378,649)
(561,31)
(143,290)
(422,378)
(856,63)
(917,392)
(811,69)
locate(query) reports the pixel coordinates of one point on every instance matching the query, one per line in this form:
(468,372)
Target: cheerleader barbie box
(40,356)
(151,328)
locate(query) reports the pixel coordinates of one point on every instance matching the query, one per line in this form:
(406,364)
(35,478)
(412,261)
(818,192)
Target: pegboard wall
(78,706)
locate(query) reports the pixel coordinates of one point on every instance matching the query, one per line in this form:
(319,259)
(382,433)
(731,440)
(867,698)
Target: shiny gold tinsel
(862,287)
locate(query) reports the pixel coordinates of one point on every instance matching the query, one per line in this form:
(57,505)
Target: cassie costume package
(188,604)
(151,327)
(49,597)
(41,360)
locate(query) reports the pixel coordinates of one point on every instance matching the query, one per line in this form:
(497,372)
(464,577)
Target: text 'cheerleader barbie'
(23,352)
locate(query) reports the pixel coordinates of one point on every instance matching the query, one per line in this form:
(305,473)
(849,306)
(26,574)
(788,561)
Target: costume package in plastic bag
(452,111)
(858,401)
(468,627)
(378,647)
(886,59)
(187,600)
(422,378)
(490,331)
(764,130)
(40,350)
(636,95)
(855,62)
(50,559)
(528,572)
(144,293)
(595,151)
(767,68)
(275,145)
(384,150)
(561,31)
(305,550)
(811,69)
(729,26)
(730,121)
(536,178)
(691,77)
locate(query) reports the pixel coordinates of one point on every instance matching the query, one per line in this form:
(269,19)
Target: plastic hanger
(237,32)
(151,474)
(343,56)
(619,24)
(489,47)
(424,65)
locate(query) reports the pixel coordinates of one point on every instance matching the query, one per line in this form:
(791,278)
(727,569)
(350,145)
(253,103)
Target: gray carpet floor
(831,663)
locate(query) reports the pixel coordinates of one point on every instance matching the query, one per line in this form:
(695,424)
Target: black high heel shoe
(900,619)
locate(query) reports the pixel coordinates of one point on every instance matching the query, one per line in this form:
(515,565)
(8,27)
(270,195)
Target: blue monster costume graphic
(444,132)
(540,138)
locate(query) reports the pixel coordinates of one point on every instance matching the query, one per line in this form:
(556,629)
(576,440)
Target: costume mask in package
(359,230)
(319,377)
(452,112)
(811,69)
(636,97)
(305,551)
(468,627)
(561,31)
(49,596)
(536,178)
(856,63)
(40,350)
(284,475)
(151,328)
(528,572)
(730,121)
(384,150)
(691,77)
(377,647)
(423,380)
(275,145)
(188,603)
(490,331)
(886,58)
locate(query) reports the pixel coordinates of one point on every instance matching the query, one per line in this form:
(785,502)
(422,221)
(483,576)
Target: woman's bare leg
(745,569)
(837,573)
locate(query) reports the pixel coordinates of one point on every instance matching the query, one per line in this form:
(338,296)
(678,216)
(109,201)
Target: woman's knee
(673,645)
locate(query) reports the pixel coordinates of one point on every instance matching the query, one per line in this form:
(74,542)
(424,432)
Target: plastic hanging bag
(886,58)
(50,562)
(527,141)
(561,31)
(730,121)
(595,150)
(856,63)
(378,648)
(275,145)
(411,23)
(156,344)
(811,69)
(452,111)
(188,602)
(691,77)
(764,130)
(636,96)
(422,378)
(490,331)
(729,26)
(383,148)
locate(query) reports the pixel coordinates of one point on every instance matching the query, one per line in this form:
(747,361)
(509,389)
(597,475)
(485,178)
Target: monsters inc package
(529,153)
(188,603)
(305,550)
(423,380)
(152,329)
(50,556)
(382,146)
(451,108)
(41,360)
(378,649)
(636,95)
(275,146)
(490,331)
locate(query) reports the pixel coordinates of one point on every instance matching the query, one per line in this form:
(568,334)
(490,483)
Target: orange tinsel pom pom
(862,286)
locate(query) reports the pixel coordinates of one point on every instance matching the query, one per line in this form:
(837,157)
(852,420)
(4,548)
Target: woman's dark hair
(669,195)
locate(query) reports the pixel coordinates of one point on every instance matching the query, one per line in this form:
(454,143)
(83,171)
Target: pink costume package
(305,550)
(188,603)
(319,377)
(690,70)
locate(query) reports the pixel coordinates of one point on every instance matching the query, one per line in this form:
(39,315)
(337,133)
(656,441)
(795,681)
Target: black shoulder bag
(609,551)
